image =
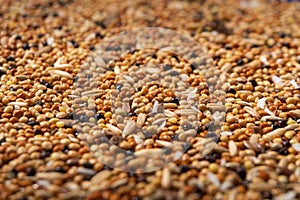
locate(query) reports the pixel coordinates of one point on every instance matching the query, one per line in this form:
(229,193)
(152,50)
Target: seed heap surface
(44,45)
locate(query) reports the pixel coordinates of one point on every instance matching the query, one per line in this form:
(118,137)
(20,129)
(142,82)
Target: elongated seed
(114,129)
(62,73)
(232,148)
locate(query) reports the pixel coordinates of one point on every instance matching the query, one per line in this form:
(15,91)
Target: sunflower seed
(254,138)
(129,128)
(295,113)
(45,49)
(115,130)
(62,73)
(50,175)
(85,171)
(148,152)
(99,61)
(92,92)
(170,114)
(152,70)
(270,118)
(213,179)
(251,111)
(22,77)
(119,182)
(72,195)
(243,103)
(232,148)
(138,139)
(159,121)
(17,103)
(296,146)
(226,67)
(62,66)
(129,79)
(166,178)
(164,143)
(274,134)
(185,112)
(282,165)
(260,186)
(141,119)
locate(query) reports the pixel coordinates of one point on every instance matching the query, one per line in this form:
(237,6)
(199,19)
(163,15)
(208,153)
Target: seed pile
(44,45)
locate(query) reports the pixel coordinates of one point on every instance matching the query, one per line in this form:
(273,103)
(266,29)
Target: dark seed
(35,45)
(253,82)
(2,140)
(240,62)
(186,127)
(228,47)
(167,67)
(45,154)
(286,44)
(128,153)
(231,90)
(30,171)
(217,57)
(136,198)
(174,73)
(184,168)
(10,58)
(211,134)
(186,146)
(55,14)
(167,151)
(133,51)
(60,169)
(88,165)
(175,100)
(88,76)
(66,149)
(25,46)
(2,72)
(241,171)
(211,157)
(39,102)
(49,85)
(132,114)
(176,57)
(100,116)
(103,139)
(283,151)
(193,66)
(99,23)
(75,79)
(22,198)
(199,192)
(37,131)
(92,48)
(154,56)
(99,35)
(254,46)
(18,37)
(267,195)
(119,87)
(83,118)
(33,123)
